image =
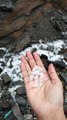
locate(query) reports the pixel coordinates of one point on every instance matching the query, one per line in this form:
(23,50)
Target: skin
(47,100)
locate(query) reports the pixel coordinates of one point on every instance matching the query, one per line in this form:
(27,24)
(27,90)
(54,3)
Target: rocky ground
(22,24)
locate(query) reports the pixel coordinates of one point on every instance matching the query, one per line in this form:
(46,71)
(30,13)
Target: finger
(24,73)
(26,65)
(39,62)
(27,82)
(31,59)
(52,73)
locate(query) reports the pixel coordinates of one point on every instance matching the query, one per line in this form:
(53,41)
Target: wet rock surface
(23,23)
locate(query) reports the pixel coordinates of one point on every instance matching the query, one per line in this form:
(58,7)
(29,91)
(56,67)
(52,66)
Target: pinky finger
(27,82)
(24,73)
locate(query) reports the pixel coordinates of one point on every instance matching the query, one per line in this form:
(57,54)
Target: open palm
(47,98)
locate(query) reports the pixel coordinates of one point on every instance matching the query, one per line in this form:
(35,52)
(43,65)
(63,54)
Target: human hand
(48,98)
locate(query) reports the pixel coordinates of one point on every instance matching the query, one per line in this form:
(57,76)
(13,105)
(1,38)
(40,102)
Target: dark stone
(65,111)
(5,87)
(50,48)
(15,83)
(45,61)
(6,5)
(6,79)
(21,90)
(66,87)
(20,101)
(23,109)
(65,96)
(1,103)
(34,50)
(60,64)
(65,106)
(65,57)
(6,95)
(6,104)
(2,53)
(1,115)
(1,83)
(2,64)
(0,90)
(17,113)
(1,70)
(63,75)
(7,100)
(65,19)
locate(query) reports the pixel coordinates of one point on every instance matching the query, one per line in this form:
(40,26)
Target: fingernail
(35,53)
(28,52)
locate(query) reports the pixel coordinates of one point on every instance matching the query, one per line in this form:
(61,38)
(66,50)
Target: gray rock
(60,64)
(2,53)
(15,83)
(1,82)
(20,101)
(65,106)
(5,87)
(7,100)
(6,79)
(63,75)
(0,103)
(1,115)
(45,61)
(24,109)
(65,57)
(1,69)
(21,90)
(0,90)
(6,95)
(66,87)
(65,19)
(2,63)
(17,113)
(50,48)
(65,95)
(6,5)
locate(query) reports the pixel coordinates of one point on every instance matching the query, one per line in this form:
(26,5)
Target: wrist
(58,115)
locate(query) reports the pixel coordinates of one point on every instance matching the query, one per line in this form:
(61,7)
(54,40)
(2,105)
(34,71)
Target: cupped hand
(47,98)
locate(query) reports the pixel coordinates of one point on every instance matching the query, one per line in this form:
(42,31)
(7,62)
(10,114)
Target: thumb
(52,74)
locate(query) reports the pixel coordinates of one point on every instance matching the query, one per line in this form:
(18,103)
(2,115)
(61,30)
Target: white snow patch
(12,67)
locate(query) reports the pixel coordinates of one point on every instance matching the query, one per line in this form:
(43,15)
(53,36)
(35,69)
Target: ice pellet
(37,76)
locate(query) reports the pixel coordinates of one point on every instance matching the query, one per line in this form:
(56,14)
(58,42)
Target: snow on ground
(12,63)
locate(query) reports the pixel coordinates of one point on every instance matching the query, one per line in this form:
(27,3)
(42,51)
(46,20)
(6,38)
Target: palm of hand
(47,97)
